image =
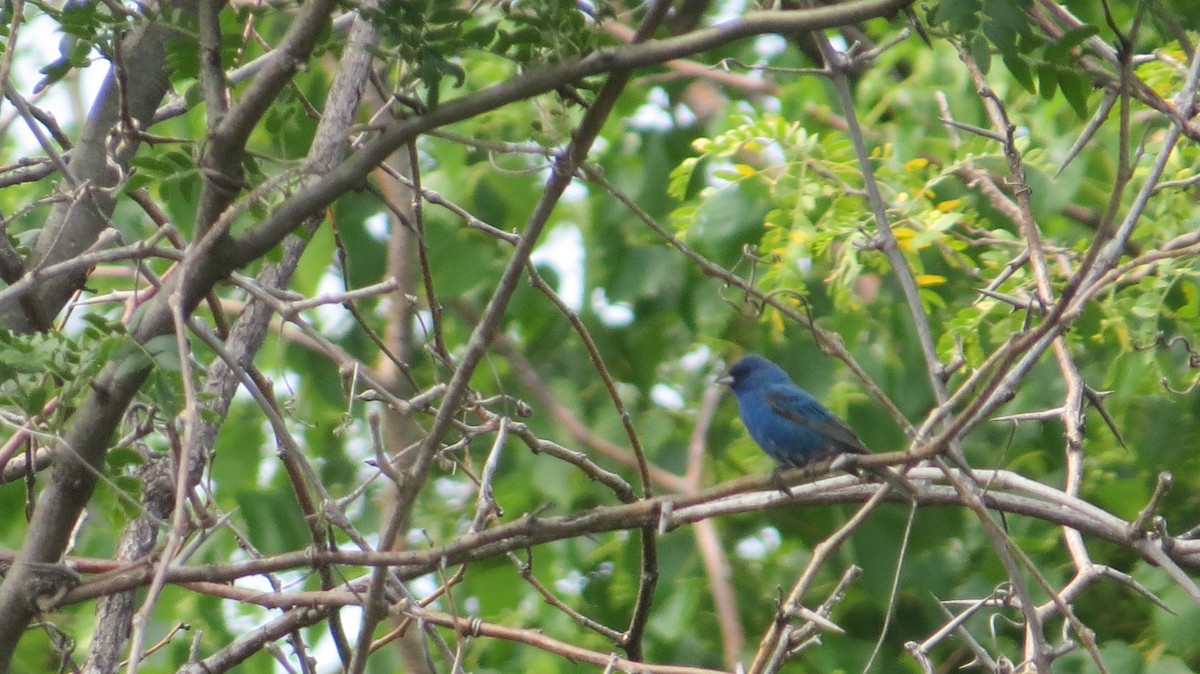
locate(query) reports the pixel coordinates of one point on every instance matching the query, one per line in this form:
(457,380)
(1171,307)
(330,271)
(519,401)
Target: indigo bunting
(786,422)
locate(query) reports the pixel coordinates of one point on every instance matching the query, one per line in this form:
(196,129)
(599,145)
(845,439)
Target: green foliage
(54,366)
(999,27)
(85,27)
(434,36)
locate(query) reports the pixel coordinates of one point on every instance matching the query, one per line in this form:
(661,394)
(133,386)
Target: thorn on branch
(1024,304)
(1131,582)
(664,516)
(1096,399)
(914,649)
(803,645)
(978,131)
(816,619)
(1138,527)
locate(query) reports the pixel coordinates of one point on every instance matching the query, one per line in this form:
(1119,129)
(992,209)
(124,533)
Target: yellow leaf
(916,164)
(925,280)
(776,322)
(744,170)
(949,205)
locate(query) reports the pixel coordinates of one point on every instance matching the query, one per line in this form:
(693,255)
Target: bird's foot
(777,480)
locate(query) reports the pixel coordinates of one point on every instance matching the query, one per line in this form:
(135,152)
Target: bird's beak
(726,380)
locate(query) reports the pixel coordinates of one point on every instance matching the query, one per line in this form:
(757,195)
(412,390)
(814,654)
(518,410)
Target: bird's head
(751,372)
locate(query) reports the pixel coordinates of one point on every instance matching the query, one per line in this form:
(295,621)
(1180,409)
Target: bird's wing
(797,406)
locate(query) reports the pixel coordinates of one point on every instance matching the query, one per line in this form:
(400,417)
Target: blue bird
(786,422)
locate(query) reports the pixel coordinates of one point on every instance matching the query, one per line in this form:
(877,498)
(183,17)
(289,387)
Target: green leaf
(119,458)
(959,16)
(79,19)
(1075,88)
(981,52)
(1047,80)
(1060,49)
(1020,71)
